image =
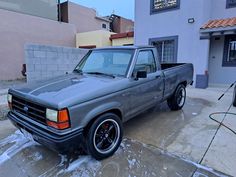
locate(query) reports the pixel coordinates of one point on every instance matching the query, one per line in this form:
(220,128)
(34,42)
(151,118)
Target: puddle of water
(18,141)
(83,166)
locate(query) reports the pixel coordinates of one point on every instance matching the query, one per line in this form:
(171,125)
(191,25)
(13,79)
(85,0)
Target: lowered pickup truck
(86,109)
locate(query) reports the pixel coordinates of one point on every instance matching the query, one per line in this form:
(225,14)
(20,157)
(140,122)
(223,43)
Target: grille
(29,109)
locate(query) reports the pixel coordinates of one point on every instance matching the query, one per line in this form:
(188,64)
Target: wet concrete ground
(173,143)
(22,157)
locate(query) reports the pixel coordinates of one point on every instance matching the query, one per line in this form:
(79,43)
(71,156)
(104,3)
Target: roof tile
(122,35)
(220,23)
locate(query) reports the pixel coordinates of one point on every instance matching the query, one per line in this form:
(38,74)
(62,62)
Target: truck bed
(174,74)
(170,65)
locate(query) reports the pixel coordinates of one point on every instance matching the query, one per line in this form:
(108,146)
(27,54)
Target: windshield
(110,62)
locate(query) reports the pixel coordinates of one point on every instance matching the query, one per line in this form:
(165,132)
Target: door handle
(157,77)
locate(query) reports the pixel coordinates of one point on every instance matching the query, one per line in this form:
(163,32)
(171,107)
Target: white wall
(219,11)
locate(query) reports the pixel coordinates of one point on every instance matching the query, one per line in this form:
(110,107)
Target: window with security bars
(159,5)
(230,51)
(166,51)
(230,3)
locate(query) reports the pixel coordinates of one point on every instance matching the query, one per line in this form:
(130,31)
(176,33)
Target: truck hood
(68,90)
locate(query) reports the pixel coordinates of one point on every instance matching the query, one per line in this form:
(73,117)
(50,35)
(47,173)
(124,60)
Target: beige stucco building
(85,19)
(102,38)
(93,39)
(122,39)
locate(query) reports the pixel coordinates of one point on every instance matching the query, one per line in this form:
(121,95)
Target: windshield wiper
(78,71)
(99,73)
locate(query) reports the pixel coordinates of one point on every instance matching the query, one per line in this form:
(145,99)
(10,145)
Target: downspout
(59,10)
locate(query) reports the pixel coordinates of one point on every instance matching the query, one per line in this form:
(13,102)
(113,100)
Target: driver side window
(145,62)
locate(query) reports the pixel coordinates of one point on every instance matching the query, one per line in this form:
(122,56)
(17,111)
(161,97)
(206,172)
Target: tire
(104,136)
(177,100)
(234,97)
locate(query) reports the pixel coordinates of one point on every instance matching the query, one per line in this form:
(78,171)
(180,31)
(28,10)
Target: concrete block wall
(44,62)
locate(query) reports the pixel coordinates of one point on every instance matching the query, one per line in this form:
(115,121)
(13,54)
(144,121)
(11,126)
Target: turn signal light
(63,116)
(60,126)
(63,120)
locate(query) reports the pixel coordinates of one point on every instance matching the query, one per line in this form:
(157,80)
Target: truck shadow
(160,126)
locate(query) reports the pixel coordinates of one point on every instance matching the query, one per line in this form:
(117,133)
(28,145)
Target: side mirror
(141,74)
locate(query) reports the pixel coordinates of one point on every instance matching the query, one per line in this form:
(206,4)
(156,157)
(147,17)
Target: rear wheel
(177,100)
(234,97)
(104,136)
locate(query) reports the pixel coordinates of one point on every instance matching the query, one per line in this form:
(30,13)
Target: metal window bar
(159,4)
(231,51)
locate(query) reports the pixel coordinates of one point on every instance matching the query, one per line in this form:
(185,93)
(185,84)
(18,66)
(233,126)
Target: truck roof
(125,47)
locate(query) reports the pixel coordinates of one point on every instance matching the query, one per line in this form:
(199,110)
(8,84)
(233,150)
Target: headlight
(9,98)
(51,115)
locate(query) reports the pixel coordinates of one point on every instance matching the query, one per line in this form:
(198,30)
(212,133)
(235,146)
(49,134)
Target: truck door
(148,91)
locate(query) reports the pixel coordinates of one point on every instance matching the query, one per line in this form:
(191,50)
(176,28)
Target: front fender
(89,112)
(99,110)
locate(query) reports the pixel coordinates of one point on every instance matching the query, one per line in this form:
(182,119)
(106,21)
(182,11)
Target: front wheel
(104,136)
(177,100)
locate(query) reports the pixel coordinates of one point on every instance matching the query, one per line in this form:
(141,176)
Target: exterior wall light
(191,20)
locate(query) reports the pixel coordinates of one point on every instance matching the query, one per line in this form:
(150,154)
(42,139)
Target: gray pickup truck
(86,109)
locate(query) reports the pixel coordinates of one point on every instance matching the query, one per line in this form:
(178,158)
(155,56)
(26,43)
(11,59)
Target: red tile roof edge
(220,23)
(122,35)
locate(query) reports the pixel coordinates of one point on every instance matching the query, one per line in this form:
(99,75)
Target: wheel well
(114,111)
(184,83)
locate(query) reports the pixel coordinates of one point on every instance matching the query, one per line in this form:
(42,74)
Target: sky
(123,8)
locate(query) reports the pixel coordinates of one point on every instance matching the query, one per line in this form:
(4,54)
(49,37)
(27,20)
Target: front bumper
(62,143)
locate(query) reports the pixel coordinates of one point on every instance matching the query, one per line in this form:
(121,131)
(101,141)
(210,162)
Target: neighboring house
(122,39)
(119,31)
(93,39)
(101,38)
(24,21)
(120,24)
(202,32)
(85,19)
